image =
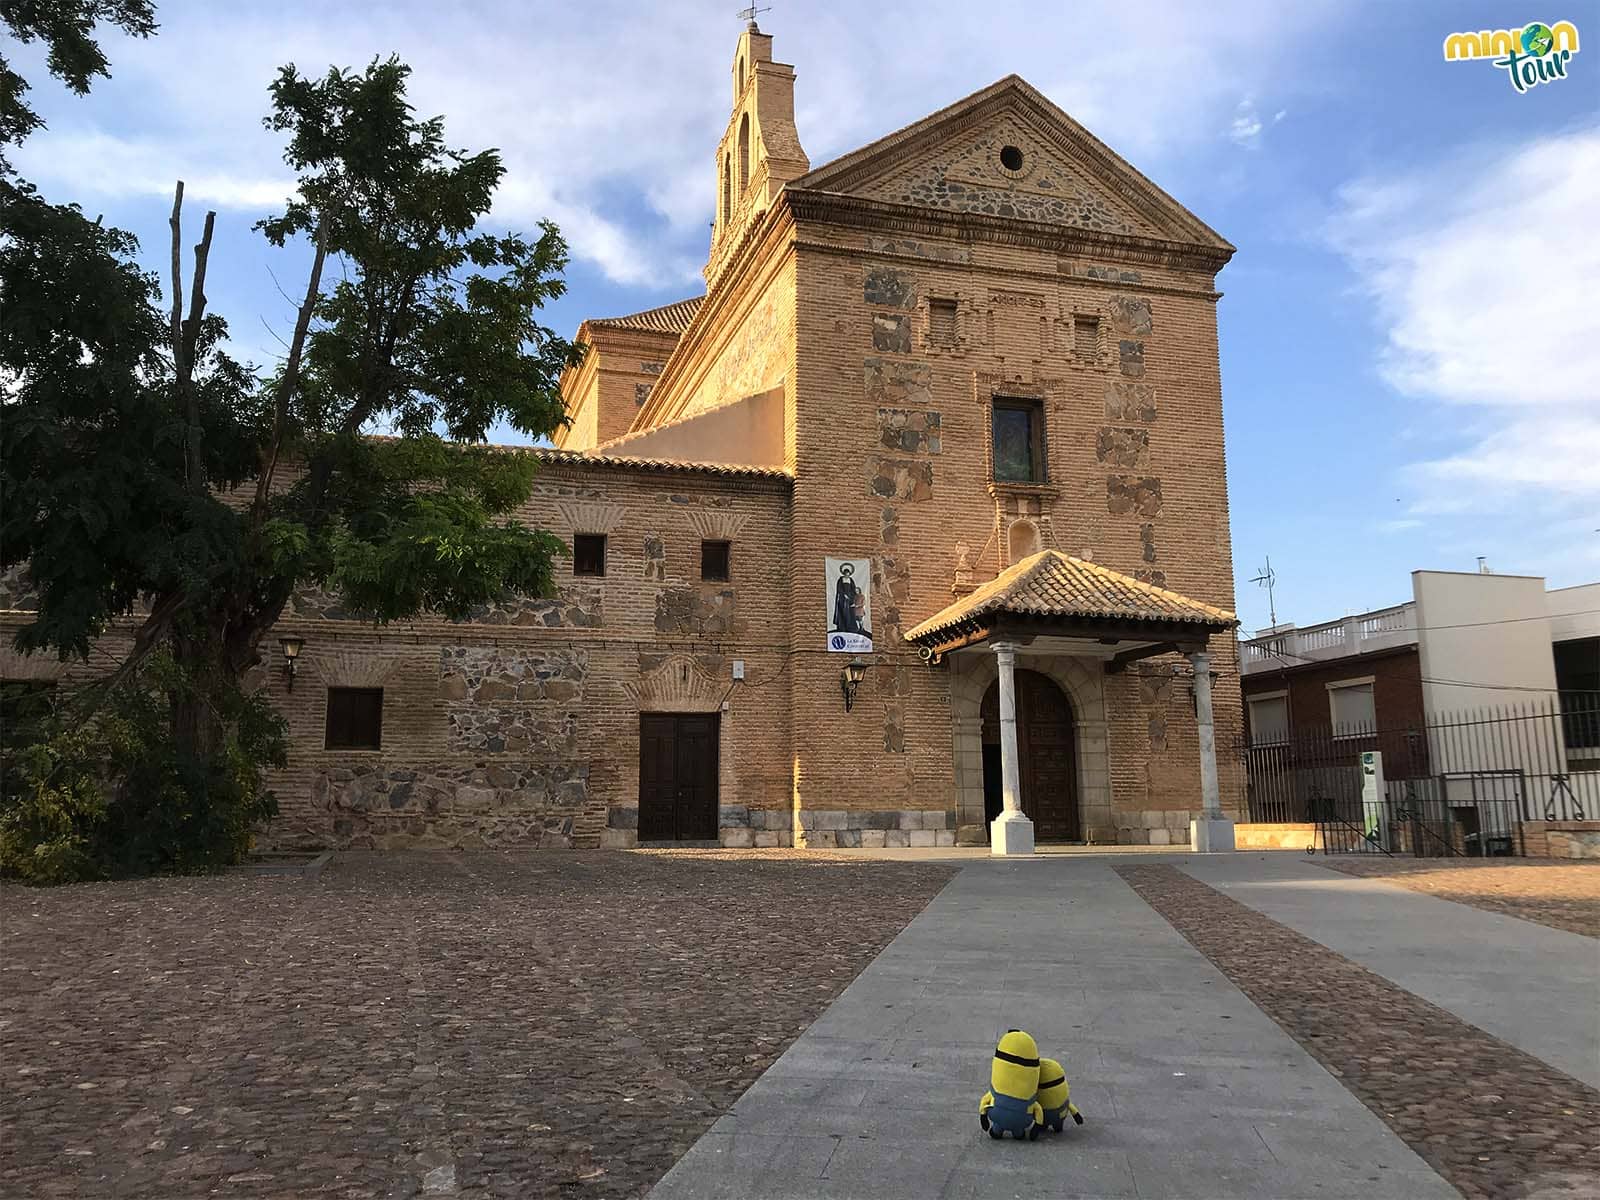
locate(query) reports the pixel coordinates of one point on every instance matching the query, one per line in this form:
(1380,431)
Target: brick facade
(1396,688)
(887,299)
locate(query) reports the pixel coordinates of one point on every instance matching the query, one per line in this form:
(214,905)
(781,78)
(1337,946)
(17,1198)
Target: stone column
(1211,830)
(1010,833)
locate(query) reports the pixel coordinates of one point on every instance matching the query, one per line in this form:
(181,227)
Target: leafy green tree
(143,469)
(66,28)
(115,795)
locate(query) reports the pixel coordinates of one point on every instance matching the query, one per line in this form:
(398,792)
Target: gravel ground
(1492,1120)
(1562,894)
(449,1025)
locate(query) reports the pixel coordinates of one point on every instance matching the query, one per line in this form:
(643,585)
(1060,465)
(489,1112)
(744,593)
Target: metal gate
(1469,814)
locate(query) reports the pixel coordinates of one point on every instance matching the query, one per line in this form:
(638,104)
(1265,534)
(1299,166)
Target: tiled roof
(572,458)
(669,318)
(1053,584)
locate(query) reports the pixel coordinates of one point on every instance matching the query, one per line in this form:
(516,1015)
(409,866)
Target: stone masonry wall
(1561,839)
(520,727)
(893,463)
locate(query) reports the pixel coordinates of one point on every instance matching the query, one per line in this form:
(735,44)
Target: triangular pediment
(1060,174)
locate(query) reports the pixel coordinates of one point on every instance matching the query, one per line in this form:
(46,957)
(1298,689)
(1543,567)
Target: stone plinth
(1211,836)
(1011,835)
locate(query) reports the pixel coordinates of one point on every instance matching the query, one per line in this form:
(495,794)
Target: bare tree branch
(176,222)
(197,298)
(191,338)
(273,332)
(289,381)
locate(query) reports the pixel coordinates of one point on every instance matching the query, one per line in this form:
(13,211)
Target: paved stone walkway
(1493,1120)
(1535,987)
(542,1025)
(1562,894)
(1188,1089)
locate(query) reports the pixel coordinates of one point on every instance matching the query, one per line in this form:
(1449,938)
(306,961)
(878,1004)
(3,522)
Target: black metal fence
(1418,817)
(1461,784)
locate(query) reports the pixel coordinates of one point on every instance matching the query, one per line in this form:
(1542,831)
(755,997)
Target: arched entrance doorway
(1046,754)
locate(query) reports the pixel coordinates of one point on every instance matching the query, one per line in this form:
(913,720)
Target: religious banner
(849,604)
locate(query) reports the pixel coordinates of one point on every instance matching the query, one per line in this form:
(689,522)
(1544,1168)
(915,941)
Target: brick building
(947,419)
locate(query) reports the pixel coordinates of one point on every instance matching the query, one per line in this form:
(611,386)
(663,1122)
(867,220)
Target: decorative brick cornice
(565,462)
(864,212)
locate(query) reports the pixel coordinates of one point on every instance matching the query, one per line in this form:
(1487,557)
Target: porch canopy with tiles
(1076,622)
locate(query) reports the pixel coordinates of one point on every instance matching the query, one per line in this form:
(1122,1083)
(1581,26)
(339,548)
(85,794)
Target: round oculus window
(1011,158)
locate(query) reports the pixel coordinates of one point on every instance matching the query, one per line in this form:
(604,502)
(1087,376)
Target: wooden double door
(1047,756)
(678,777)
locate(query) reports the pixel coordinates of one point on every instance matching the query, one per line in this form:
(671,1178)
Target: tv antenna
(749,14)
(1266,577)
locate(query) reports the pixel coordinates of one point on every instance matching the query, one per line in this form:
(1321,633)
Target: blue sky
(1410,338)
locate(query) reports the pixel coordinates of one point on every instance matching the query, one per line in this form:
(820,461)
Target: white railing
(1376,630)
(1319,637)
(1400,618)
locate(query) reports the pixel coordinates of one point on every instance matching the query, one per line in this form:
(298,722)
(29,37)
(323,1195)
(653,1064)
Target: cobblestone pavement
(444,1025)
(1553,892)
(1494,1121)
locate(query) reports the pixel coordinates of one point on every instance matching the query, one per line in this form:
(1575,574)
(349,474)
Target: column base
(1211,835)
(1010,835)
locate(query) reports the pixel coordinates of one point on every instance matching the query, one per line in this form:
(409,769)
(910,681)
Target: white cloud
(103,165)
(1248,124)
(607,114)
(1484,271)
(1246,127)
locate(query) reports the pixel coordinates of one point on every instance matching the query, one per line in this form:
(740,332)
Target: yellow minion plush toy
(1055,1096)
(1011,1103)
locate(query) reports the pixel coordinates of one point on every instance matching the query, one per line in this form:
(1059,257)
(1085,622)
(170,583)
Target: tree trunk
(196,727)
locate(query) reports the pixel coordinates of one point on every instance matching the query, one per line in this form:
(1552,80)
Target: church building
(912,530)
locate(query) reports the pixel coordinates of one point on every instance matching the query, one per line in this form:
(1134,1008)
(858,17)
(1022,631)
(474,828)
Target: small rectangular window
(1086,337)
(1350,706)
(942,322)
(714,561)
(1269,720)
(589,554)
(1018,441)
(355,719)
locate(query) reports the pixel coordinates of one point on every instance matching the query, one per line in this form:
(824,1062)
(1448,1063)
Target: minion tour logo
(1537,53)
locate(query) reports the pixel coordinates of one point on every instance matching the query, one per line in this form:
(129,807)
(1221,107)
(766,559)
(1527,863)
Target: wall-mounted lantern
(850,679)
(291,650)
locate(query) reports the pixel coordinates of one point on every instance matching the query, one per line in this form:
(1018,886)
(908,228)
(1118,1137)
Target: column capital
(1004,650)
(1200,660)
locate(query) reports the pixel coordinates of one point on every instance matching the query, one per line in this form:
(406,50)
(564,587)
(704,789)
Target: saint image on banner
(849,601)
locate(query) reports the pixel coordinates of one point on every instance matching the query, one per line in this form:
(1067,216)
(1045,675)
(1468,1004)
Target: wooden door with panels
(1047,756)
(678,777)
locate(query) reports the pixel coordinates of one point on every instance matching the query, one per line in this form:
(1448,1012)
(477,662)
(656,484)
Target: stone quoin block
(891,332)
(890,288)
